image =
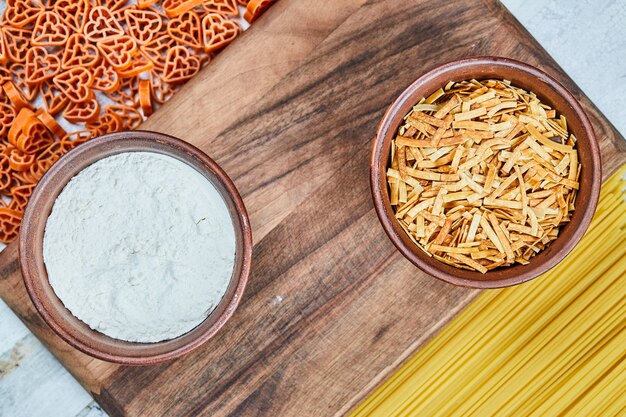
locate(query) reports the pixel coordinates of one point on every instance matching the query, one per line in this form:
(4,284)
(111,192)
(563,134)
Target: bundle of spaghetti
(553,346)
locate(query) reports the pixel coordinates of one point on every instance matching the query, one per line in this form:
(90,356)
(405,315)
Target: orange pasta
(97,67)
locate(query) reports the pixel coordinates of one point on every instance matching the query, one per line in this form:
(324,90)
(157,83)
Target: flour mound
(140,246)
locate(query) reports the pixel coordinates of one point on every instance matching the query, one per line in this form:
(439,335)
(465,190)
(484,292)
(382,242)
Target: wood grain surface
(289,111)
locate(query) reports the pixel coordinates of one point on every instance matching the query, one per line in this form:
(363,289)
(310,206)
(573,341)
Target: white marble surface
(586,37)
(32,382)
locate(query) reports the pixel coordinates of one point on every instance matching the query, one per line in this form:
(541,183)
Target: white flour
(140,246)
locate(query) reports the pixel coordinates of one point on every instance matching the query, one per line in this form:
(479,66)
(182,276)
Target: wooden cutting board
(289,111)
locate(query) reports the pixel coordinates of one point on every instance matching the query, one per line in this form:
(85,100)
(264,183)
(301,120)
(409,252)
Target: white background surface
(586,37)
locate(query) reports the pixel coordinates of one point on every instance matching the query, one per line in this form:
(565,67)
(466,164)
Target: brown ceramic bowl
(74,331)
(549,91)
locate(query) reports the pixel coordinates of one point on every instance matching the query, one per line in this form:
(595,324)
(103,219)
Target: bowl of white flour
(135,247)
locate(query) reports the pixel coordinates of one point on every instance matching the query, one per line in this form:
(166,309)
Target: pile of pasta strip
(71,70)
(483,174)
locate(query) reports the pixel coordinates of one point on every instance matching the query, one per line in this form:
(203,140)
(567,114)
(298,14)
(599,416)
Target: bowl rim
(379,189)
(242,229)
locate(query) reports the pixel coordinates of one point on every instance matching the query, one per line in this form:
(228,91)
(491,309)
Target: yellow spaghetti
(553,347)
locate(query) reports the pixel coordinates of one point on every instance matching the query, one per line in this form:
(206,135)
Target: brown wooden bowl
(549,91)
(60,319)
